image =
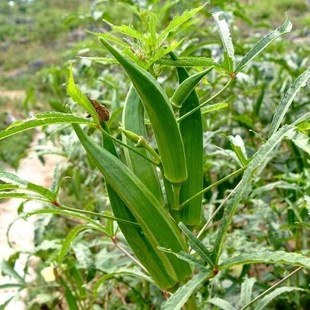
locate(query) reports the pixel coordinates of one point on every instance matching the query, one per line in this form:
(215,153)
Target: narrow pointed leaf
(288,98)
(180,297)
(300,140)
(221,303)
(267,257)
(52,118)
(239,149)
(197,245)
(80,98)
(278,291)
(214,107)
(263,43)
(246,291)
(224,32)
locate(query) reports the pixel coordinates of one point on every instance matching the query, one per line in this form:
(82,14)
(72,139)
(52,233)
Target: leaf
(101,60)
(189,62)
(176,22)
(300,140)
(214,107)
(263,43)
(258,160)
(180,297)
(246,291)
(239,149)
(278,291)
(127,30)
(286,101)
(197,245)
(25,185)
(224,32)
(43,119)
(80,98)
(69,239)
(120,273)
(221,303)
(267,257)
(8,270)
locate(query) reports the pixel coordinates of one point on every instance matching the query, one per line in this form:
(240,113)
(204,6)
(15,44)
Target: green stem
(271,288)
(204,103)
(235,173)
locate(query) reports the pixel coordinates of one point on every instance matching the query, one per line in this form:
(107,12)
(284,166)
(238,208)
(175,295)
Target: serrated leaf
(225,35)
(51,118)
(258,160)
(286,101)
(180,297)
(267,257)
(263,43)
(127,30)
(176,23)
(80,98)
(300,140)
(197,245)
(278,291)
(221,303)
(246,291)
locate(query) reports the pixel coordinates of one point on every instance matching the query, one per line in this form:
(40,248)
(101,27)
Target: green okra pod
(192,133)
(155,222)
(159,111)
(133,120)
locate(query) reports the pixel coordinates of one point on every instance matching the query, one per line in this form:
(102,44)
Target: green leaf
(80,98)
(239,149)
(120,273)
(221,303)
(258,160)
(8,270)
(43,119)
(69,239)
(197,245)
(267,257)
(180,297)
(286,101)
(101,60)
(300,140)
(189,62)
(25,185)
(263,43)
(278,291)
(246,291)
(176,23)
(224,32)
(214,107)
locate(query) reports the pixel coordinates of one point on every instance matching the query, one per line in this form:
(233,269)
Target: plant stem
(204,103)
(235,173)
(271,288)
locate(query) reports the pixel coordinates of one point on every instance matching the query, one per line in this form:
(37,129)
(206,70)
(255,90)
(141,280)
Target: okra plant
(155,184)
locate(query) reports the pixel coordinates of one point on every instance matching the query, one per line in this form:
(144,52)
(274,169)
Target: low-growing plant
(154,173)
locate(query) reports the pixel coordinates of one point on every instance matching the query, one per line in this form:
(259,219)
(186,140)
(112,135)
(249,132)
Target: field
(158,151)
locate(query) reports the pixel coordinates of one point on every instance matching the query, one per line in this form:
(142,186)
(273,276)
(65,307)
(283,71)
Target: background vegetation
(97,273)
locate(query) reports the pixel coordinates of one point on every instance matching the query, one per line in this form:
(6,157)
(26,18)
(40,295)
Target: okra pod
(155,222)
(161,116)
(192,133)
(133,120)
